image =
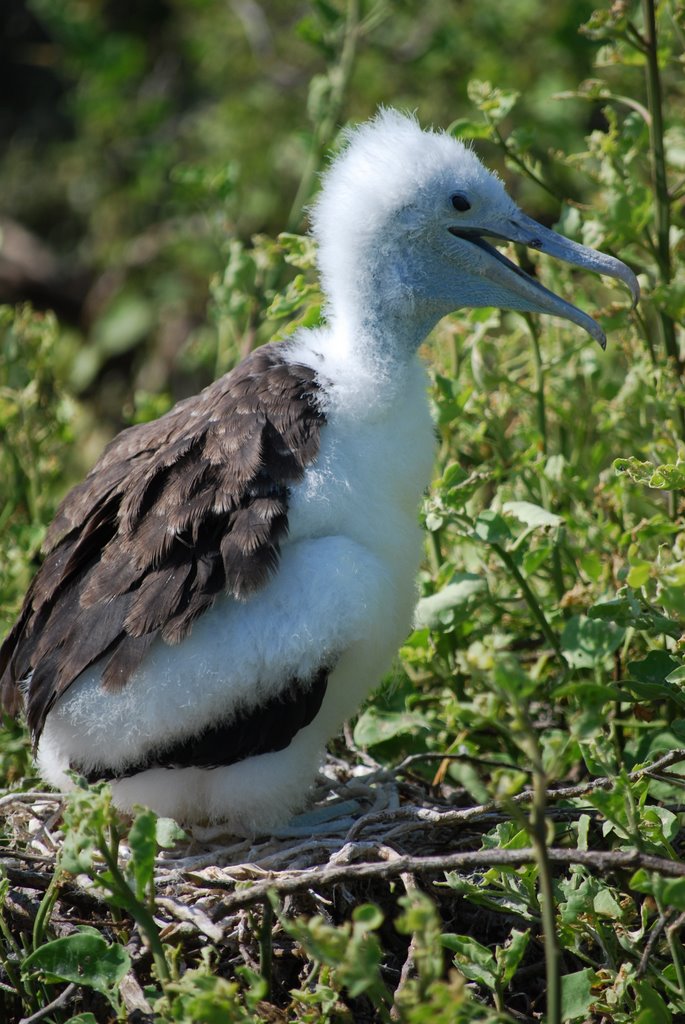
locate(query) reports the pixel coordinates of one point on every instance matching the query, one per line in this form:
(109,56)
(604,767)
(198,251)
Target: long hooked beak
(527,292)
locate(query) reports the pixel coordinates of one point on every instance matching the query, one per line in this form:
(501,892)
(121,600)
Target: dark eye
(460,202)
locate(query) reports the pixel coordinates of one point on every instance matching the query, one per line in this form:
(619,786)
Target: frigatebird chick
(231,580)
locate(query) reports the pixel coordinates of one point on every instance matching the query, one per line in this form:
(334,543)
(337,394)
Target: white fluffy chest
(374,464)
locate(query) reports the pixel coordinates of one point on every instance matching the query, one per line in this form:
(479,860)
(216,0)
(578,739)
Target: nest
(371,835)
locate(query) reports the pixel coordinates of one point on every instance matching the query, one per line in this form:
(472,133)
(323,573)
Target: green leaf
(465,128)
(376,726)
(83,958)
(576,994)
(655,677)
(532,515)
(639,574)
(87,813)
(124,323)
(475,962)
(653,1009)
(495,103)
(614,805)
(666,477)
(534,558)
(591,564)
(654,668)
(660,825)
(438,609)
(142,839)
(367,917)
(511,678)
(492,528)
(509,957)
(591,693)
(627,610)
(669,891)
(168,833)
(605,905)
(587,643)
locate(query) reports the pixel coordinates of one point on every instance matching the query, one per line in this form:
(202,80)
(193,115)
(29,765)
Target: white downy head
(403,225)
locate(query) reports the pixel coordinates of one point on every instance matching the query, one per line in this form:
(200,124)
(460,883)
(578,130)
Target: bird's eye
(460,202)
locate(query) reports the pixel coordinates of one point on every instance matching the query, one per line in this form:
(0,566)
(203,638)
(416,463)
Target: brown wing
(175,512)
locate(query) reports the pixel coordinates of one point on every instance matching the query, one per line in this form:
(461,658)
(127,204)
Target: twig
(409,965)
(538,835)
(656,931)
(266,952)
(30,797)
(61,999)
(426,816)
(286,883)
(452,756)
(194,915)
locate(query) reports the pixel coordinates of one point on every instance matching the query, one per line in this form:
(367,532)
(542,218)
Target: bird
(231,580)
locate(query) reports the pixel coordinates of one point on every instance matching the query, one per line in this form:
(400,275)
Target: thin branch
(29,797)
(662,209)
(452,756)
(288,882)
(56,1004)
(426,816)
(652,941)
(531,601)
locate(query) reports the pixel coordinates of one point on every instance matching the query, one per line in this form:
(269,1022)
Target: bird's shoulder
(174,512)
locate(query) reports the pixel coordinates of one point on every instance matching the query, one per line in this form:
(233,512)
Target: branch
(459,815)
(286,883)
(45,1011)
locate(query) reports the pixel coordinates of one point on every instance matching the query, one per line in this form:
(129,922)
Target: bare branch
(480,811)
(45,1011)
(286,883)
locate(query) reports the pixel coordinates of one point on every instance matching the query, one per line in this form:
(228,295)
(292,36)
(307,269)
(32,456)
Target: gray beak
(526,292)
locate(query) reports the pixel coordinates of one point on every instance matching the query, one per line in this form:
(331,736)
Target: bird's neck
(382,307)
(383,337)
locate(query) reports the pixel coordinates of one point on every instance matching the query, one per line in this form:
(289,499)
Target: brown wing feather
(174,512)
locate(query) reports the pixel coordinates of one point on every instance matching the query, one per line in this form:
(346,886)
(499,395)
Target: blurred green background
(140,137)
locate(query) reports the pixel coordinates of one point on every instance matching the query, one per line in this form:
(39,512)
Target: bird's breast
(368,478)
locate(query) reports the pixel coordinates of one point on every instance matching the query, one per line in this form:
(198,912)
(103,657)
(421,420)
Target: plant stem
(521,164)
(339,78)
(539,380)
(537,829)
(138,911)
(9,969)
(45,910)
(549,932)
(434,552)
(676,951)
(662,205)
(662,208)
(531,601)
(266,946)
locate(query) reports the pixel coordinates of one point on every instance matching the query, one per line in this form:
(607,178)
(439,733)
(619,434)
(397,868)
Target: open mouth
(477,238)
(524,292)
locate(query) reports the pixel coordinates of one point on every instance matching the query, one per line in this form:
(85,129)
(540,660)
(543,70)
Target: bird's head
(407,224)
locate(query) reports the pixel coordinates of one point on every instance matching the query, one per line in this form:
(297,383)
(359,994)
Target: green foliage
(36,417)
(84,958)
(549,642)
(36,424)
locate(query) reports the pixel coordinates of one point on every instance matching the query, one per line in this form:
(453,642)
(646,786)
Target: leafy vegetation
(546,671)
